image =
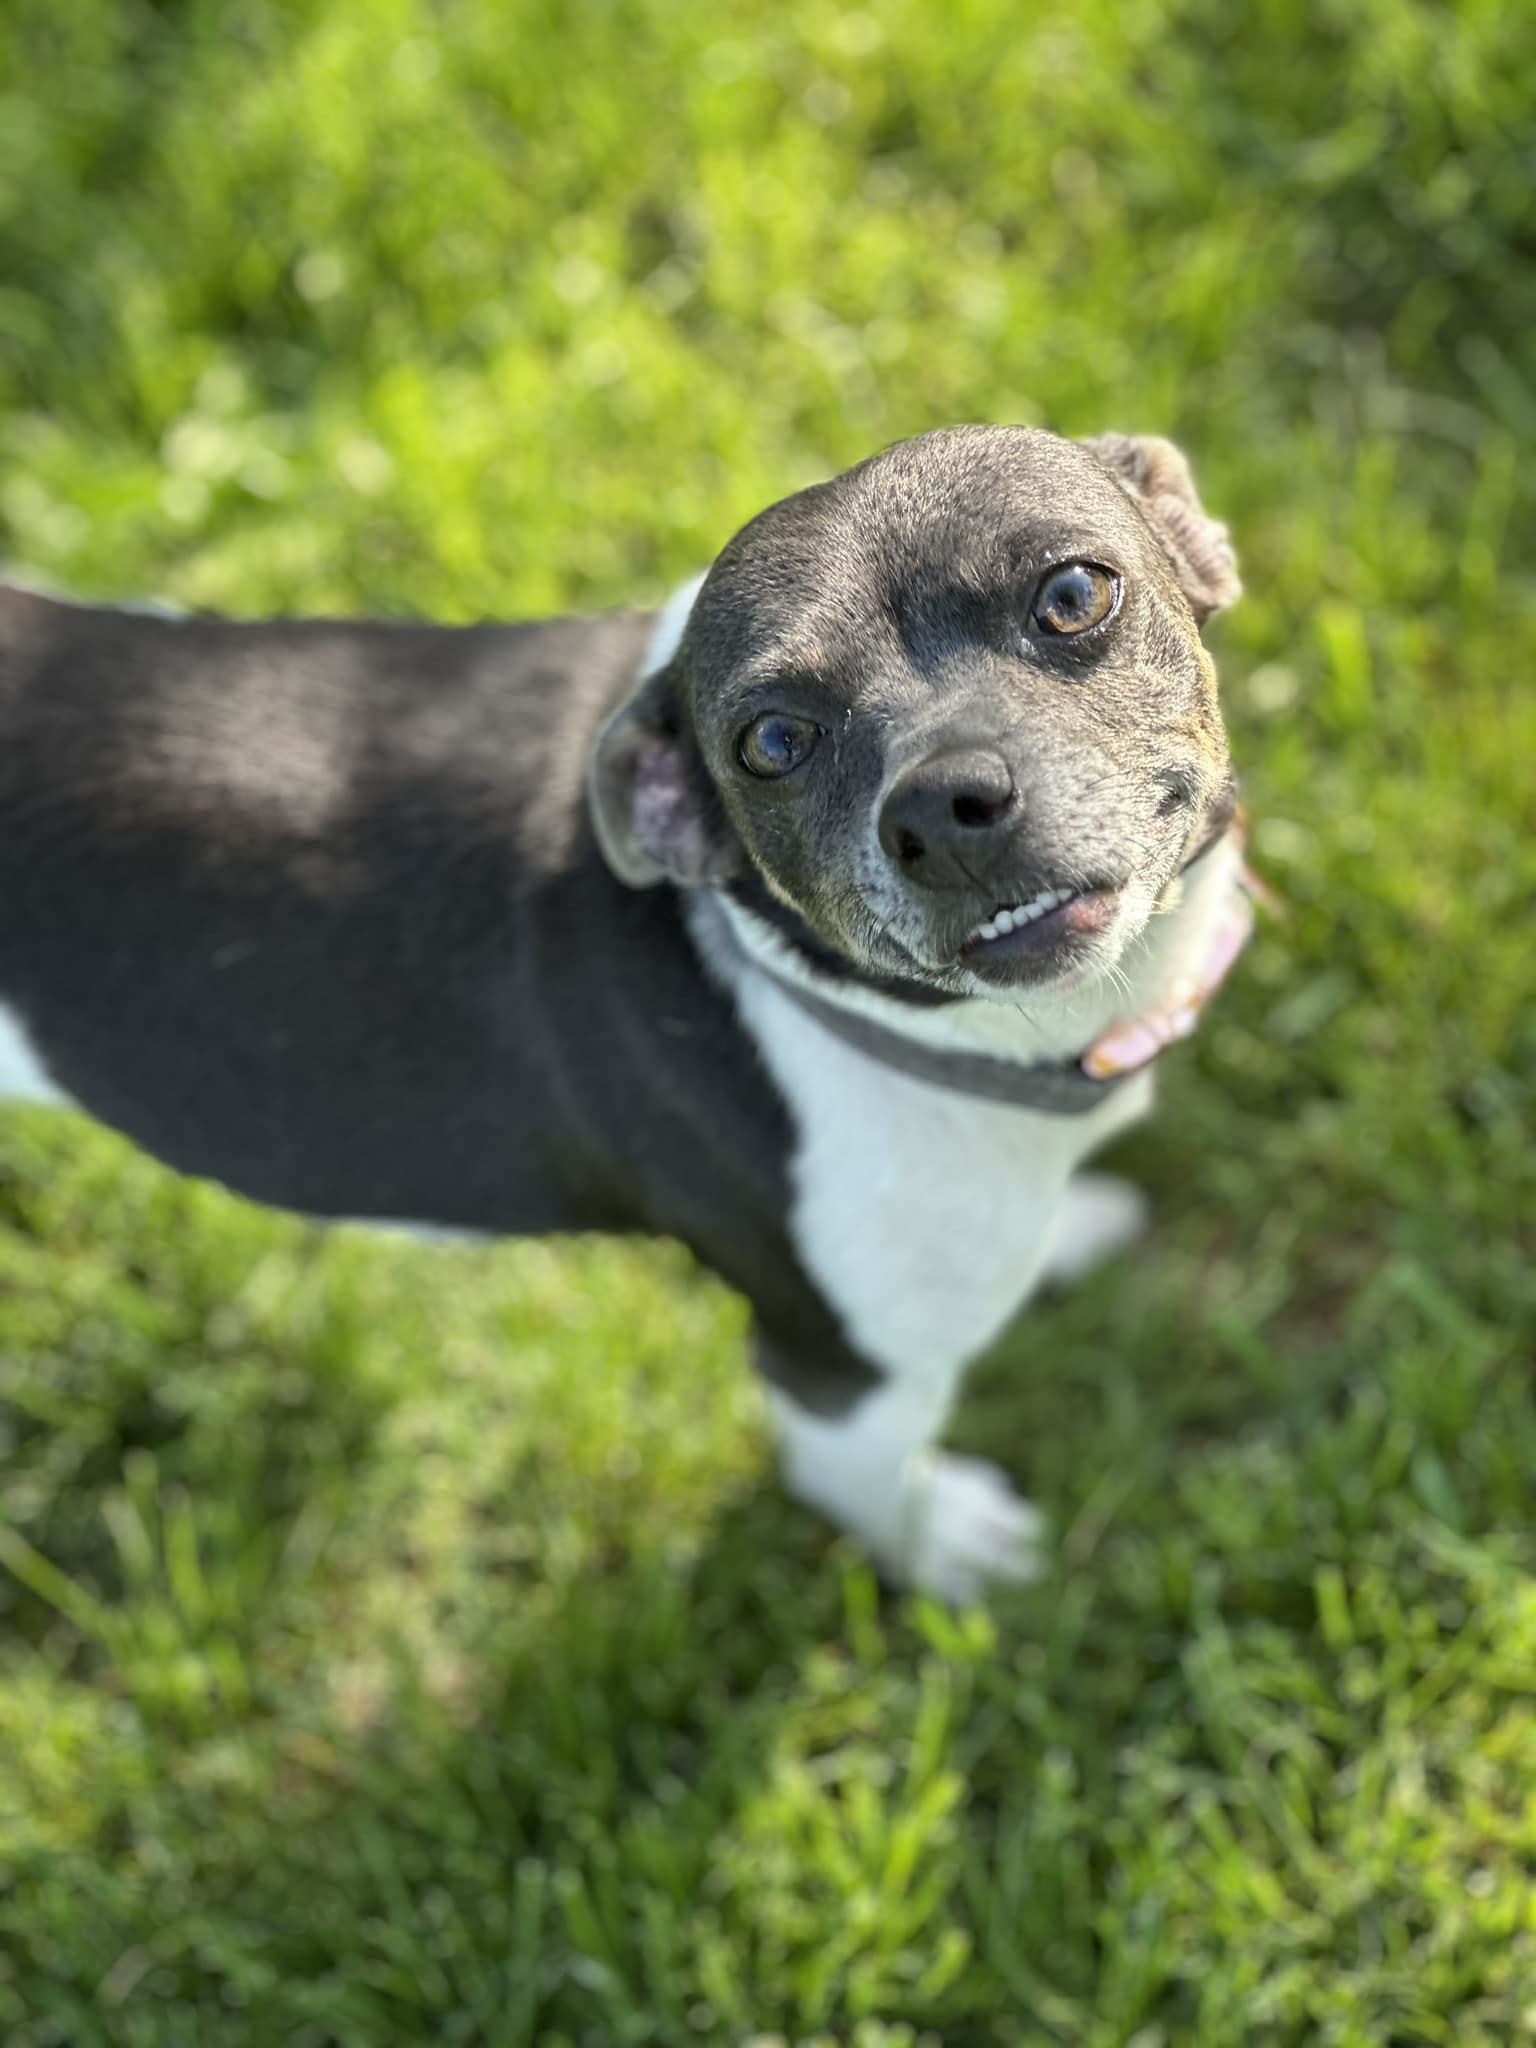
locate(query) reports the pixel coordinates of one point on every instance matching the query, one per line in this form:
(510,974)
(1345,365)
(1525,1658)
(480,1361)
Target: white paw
(1099,1216)
(964,1528)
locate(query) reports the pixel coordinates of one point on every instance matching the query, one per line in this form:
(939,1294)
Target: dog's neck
(1048,1028)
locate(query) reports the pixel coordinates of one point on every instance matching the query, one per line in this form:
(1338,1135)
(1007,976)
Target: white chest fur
(23,1077)
(924,1215)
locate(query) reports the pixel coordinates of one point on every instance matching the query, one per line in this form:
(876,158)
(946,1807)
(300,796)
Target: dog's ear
(1156,475)
(657,815)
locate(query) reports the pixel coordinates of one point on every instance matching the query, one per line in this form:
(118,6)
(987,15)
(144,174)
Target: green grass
(406,1646)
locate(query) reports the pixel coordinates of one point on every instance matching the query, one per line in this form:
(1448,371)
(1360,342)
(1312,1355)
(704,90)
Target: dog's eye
(1075,597)
(774,745)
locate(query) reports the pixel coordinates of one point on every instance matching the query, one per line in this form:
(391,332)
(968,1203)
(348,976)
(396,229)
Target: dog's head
(952,709)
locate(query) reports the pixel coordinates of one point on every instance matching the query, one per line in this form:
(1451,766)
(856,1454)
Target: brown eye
(1075,597)
(775,745)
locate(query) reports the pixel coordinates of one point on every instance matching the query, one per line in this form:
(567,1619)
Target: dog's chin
(1058,947)
(1060,952)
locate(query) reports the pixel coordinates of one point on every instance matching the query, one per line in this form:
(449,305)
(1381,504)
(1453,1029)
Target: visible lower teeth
(1025,913)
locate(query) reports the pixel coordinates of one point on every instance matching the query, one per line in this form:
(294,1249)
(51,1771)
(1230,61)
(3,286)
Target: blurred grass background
(404,1645)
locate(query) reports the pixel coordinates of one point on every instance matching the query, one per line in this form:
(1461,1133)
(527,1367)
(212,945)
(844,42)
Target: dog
(827,920)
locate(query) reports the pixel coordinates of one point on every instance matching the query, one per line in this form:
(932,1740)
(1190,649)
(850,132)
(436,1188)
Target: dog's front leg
(932,1519)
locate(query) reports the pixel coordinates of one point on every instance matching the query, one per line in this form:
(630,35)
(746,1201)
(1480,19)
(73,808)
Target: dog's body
(355,919)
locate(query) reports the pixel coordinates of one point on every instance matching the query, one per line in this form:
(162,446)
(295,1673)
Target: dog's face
(952,709)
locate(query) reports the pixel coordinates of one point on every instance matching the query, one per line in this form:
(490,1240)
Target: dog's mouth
(1040,938)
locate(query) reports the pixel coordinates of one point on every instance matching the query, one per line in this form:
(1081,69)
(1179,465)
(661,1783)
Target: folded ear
(1156,475)
(657,815)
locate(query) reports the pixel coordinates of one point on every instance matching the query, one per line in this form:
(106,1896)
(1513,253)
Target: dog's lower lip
(1027,947)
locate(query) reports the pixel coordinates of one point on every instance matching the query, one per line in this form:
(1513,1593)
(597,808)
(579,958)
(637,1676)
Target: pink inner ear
(667,824)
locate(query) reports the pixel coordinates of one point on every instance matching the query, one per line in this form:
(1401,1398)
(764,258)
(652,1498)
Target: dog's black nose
(944,813)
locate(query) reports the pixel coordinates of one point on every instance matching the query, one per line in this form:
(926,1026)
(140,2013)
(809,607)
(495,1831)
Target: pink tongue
(1125,1047)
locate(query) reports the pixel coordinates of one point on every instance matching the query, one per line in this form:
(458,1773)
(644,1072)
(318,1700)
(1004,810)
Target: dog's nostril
(972,809)
(909,848)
